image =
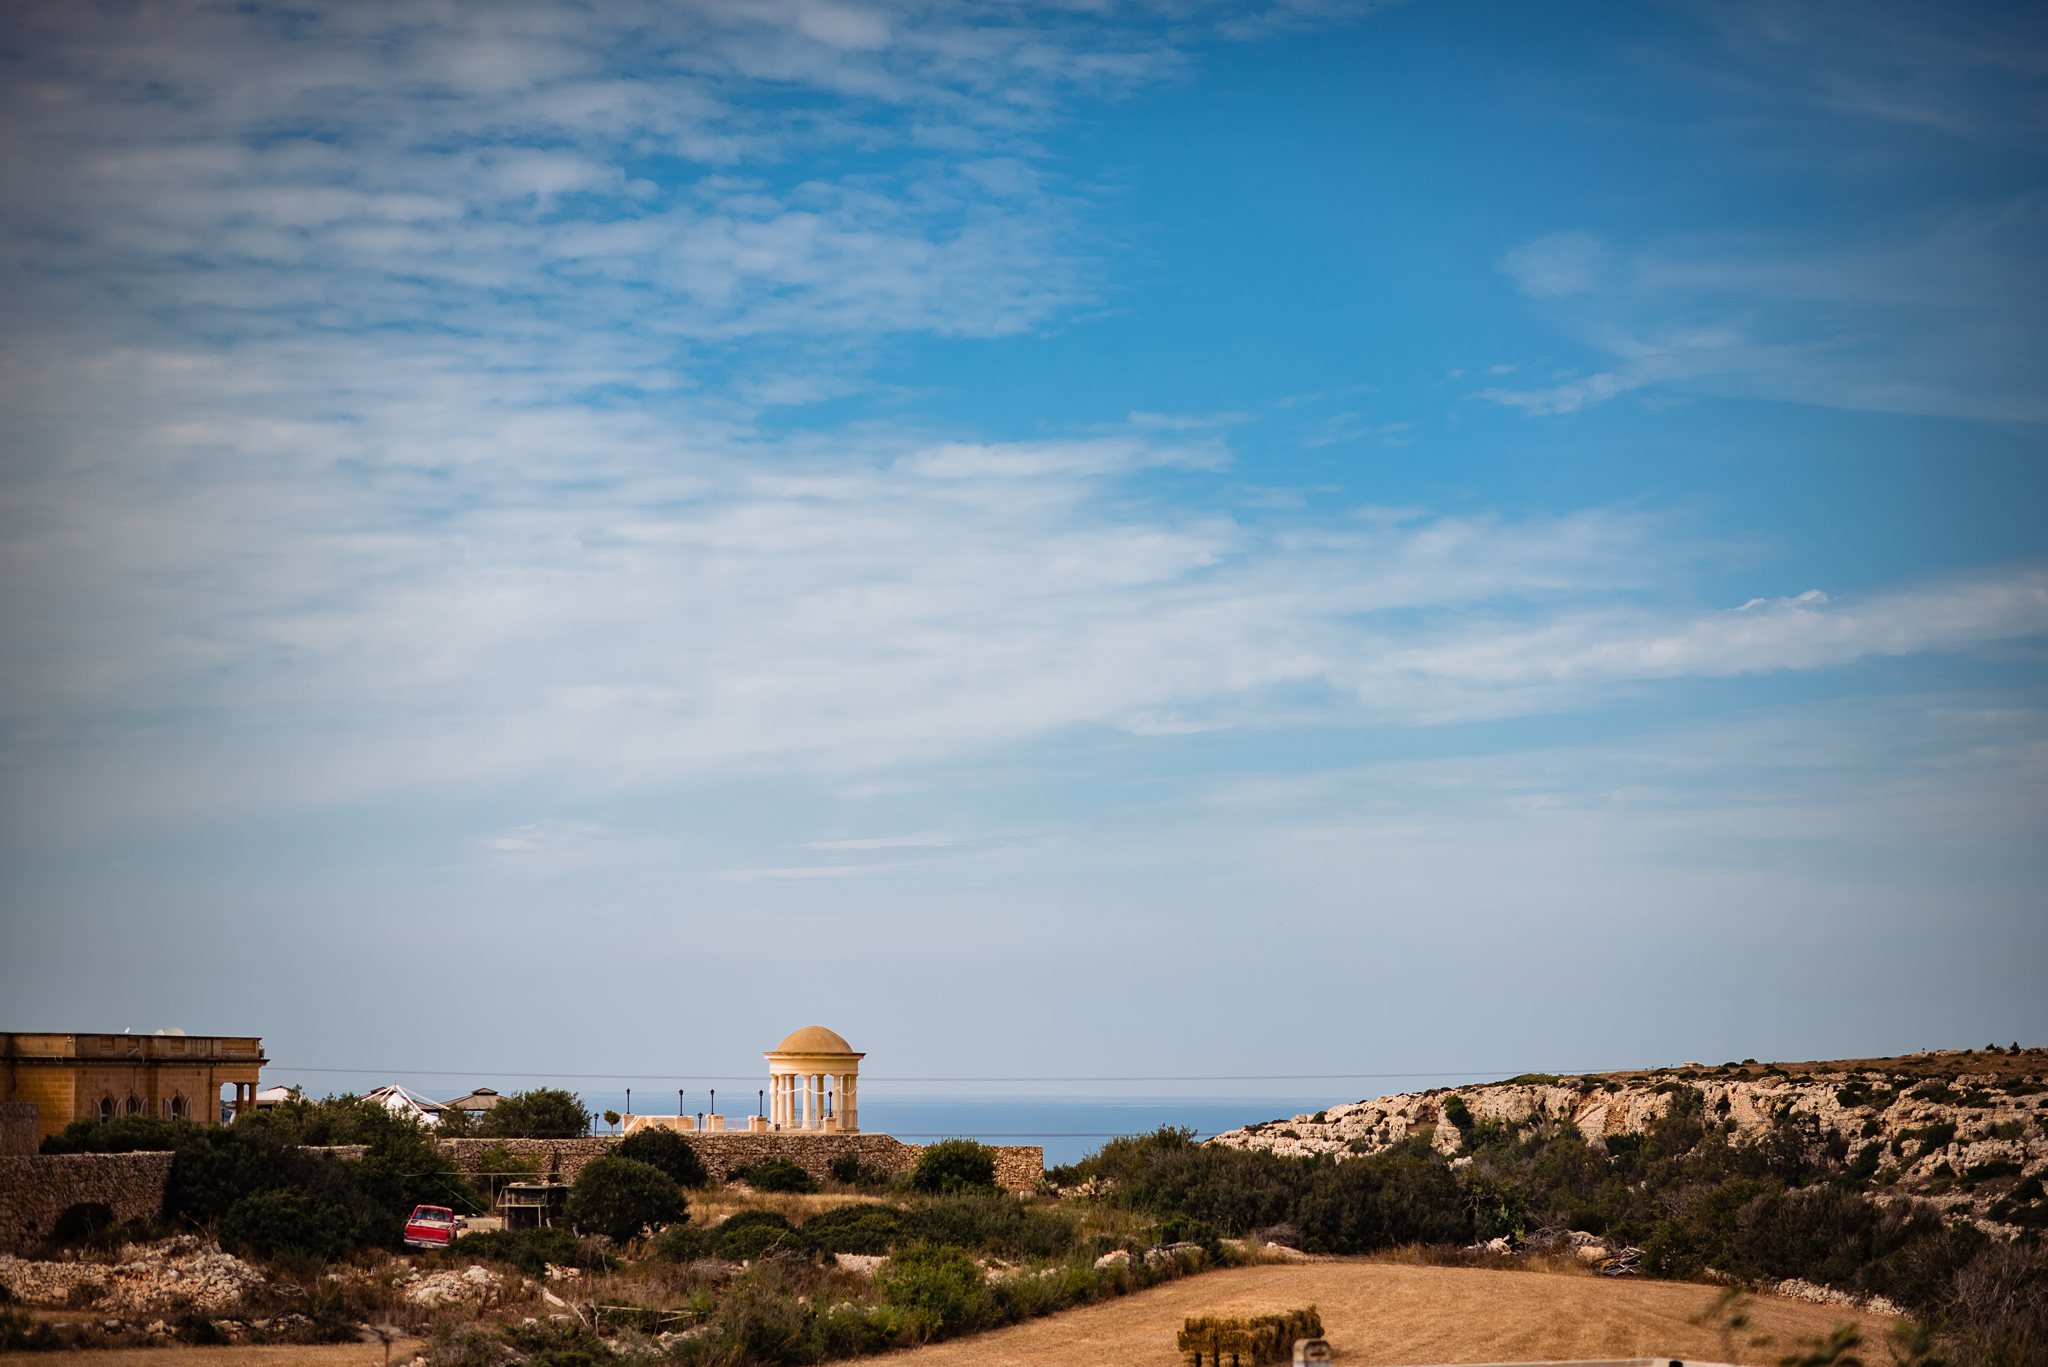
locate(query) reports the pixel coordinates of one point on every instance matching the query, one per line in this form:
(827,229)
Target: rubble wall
(35,1189)
(21,1127)
(1018,1166)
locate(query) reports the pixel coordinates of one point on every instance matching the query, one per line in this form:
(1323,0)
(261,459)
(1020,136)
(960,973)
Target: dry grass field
(1378,1312)
(270,1355)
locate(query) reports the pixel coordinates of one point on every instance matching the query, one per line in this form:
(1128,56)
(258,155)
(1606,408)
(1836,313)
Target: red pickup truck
(431,1227)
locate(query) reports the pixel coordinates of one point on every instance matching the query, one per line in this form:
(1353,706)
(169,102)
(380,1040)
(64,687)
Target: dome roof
(814,1039)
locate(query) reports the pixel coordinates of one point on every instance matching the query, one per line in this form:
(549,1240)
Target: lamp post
(714,1101)
(629,1101)
(679,1101)
(761,1103)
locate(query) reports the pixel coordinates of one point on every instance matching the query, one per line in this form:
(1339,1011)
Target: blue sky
(1137,538)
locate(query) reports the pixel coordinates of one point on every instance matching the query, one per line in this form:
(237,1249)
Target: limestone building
(98,1077)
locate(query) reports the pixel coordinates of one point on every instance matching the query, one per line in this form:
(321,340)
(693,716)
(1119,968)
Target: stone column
(849,1104)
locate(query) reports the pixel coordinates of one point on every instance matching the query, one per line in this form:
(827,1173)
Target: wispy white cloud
(1939,319)
(1557,265)
(922,840)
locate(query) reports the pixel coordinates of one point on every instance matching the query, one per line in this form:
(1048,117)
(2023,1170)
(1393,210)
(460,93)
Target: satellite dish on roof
(170,1030)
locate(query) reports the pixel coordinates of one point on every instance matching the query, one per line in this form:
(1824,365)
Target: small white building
(401,1101)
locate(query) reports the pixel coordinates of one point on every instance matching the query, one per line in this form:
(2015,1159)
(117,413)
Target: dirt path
(1379,1313)
(263,1355)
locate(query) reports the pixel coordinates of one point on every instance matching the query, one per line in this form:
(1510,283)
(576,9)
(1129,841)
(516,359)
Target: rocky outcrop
(1971,1138)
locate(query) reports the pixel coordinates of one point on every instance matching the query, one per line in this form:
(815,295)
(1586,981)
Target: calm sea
(1069,1128)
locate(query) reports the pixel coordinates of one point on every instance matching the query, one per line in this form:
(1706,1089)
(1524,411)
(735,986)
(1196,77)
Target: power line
(1091,1077)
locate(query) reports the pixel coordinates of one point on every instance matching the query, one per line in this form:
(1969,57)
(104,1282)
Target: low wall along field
(1019,1167)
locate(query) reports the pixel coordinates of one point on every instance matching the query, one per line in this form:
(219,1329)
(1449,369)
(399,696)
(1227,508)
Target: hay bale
(1246,1340)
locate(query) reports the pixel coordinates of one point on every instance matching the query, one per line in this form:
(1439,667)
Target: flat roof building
(98,1077)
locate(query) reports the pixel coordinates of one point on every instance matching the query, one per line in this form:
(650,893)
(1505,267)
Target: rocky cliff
(1964,1130)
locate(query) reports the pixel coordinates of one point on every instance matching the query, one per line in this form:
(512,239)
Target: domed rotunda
(814,1083)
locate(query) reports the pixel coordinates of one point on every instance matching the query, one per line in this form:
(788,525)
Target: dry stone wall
(37,1188)
(1019,1167)
(21,1127)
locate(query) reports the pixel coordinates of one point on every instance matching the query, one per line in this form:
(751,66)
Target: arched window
(134,1104)
(106,1108)
(177,1104)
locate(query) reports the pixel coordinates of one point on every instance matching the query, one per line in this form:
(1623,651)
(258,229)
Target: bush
(855,1229)
(669,1151)
(530,1250)
(848,1170)
(620,1197)
(938,1290)
(273,1223)
(750,1233)
(955,1165)
(776,1174)
(124,1134)
(542,1113)
(1998,1310)
(989,1223)
(685,1243)
(745,1244)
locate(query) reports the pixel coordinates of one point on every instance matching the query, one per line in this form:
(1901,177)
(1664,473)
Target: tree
(611,1118)
(955,1165)
(670,1152)
(542,1113)
(620,1197)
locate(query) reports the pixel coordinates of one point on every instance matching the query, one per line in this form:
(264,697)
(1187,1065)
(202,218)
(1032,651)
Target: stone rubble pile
(1827,1295)
(474,1285)
(185,1273)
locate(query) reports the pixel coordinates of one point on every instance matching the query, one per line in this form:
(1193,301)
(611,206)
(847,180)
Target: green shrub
(620,1197)
(849,1170)
(272,1223)
(997,1224)
(938,1290)
(669,1151)
(124,1134)
(954,1165)
(1458,1113)
(855,1229)
(776,1174)
(541,1113)
(747,1218)
(749,1242)
(529,1250)
(685,1243)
